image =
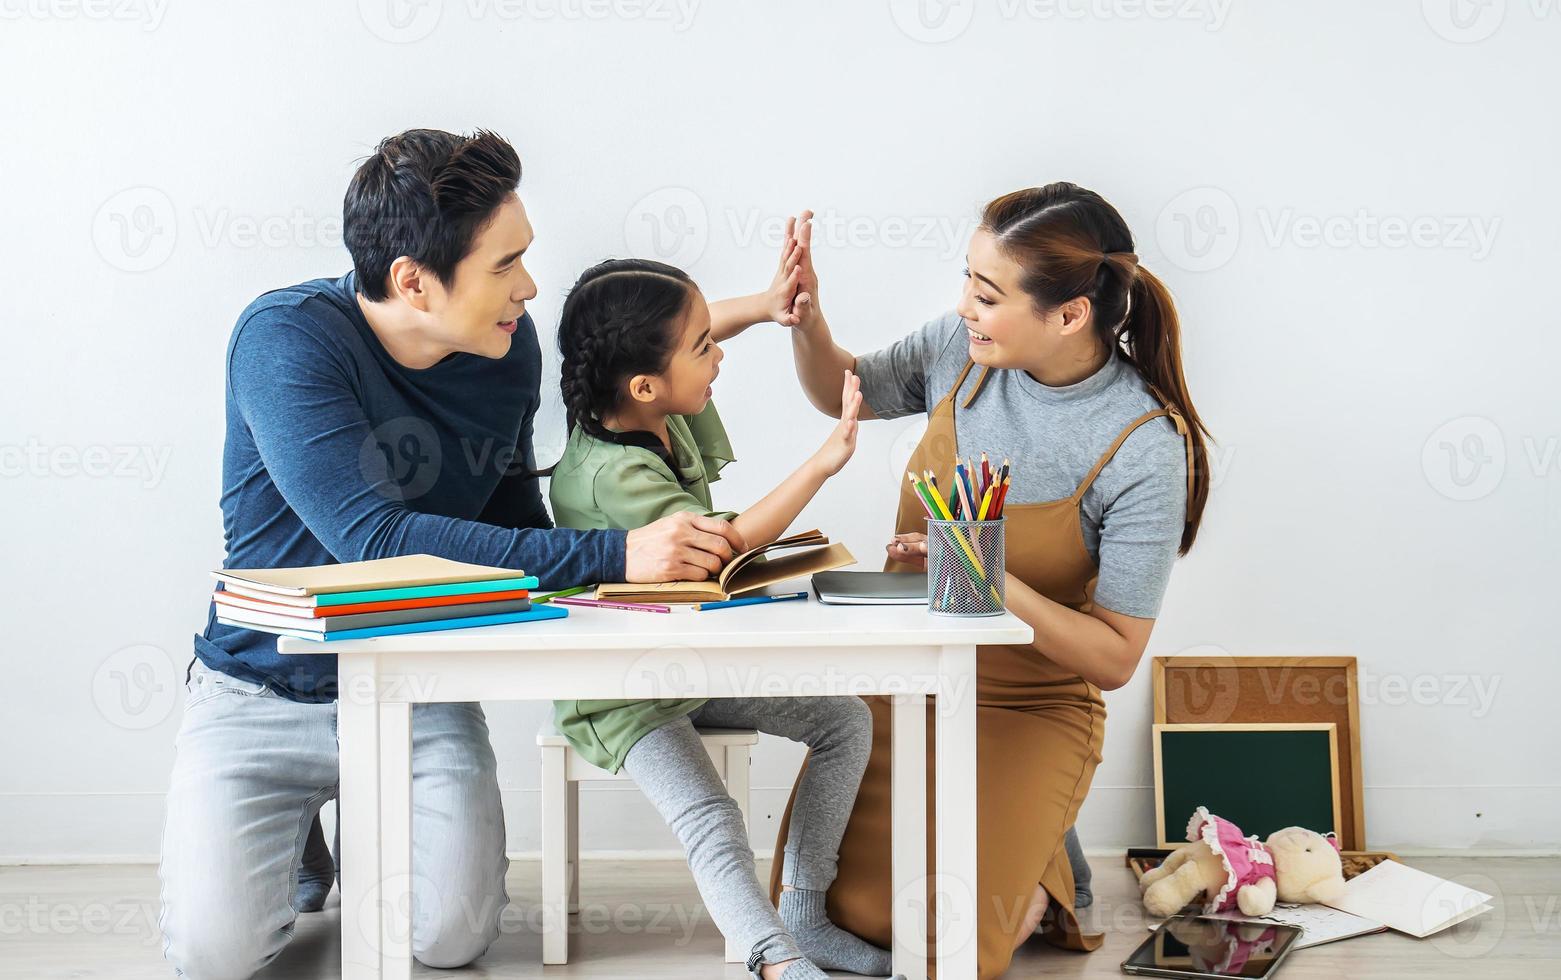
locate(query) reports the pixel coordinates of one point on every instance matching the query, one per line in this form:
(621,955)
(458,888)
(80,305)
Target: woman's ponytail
(1151,340)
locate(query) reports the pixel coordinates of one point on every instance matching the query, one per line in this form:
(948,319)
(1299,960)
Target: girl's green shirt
(628,482)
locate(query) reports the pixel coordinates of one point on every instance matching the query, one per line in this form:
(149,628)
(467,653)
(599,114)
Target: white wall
(159,171)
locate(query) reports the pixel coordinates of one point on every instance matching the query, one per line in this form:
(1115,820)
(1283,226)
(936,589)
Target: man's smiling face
(477,310)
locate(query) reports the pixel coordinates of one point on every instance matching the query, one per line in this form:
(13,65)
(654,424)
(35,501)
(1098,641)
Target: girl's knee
(846,718)
(850,726)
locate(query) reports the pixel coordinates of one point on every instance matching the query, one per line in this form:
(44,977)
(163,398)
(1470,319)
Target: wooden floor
(644,920)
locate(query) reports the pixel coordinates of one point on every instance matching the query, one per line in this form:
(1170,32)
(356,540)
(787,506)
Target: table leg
(357,735)
(555,871)
(908,833)
(955,807)
(395,828)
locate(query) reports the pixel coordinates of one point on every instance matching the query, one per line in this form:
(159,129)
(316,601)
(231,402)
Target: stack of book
(353,600)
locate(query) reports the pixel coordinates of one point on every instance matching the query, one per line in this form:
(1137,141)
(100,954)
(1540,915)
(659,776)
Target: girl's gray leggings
(671,767)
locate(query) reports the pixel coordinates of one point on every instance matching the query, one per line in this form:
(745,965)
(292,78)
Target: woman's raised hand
(805,305)
(842,442)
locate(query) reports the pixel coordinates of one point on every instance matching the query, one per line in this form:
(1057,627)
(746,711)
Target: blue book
(533,614)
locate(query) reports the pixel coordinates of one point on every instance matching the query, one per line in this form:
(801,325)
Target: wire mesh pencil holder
(965,563)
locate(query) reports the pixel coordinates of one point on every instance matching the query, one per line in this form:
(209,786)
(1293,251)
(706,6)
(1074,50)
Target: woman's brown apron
(1039,733)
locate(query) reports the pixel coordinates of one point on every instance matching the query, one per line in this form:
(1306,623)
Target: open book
(1409,900)
(748,572)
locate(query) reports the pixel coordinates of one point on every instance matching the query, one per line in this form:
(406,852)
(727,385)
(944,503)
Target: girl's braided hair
(623,317)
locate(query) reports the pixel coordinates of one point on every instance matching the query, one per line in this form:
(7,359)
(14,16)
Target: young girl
(640,352)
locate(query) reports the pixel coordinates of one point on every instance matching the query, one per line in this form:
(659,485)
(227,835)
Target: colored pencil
(603,604)
(972,563)
(986,504)
(1002,496)
(1000,482)
(749,601)
(937,498)
(962,484)
(921,494)
(986,473)
(562,594)
(968,556)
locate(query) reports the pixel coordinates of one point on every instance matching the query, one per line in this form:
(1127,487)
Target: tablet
(1193,946)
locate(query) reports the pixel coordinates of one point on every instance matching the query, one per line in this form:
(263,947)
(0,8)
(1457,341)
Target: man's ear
(642,388)
(1075,315)
(407,280)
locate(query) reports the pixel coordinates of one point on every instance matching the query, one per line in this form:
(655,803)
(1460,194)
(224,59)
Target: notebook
(255,619)
(378,580)
(1409,900)
(748,572)
(871,588)
(228,597)
(404,571)
(530,615)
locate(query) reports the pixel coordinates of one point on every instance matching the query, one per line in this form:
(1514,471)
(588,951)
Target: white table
(783,649)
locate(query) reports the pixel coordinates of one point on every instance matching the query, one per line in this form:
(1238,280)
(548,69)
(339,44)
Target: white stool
(563,770)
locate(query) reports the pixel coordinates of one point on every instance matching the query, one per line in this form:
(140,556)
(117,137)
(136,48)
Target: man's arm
(319,449)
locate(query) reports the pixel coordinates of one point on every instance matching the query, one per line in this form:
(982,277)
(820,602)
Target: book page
(1319,923)
(1409,900)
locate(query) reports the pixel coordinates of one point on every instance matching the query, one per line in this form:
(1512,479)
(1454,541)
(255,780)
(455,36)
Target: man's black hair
(425,194)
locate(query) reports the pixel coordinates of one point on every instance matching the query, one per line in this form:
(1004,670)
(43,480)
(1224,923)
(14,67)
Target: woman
(1063,356)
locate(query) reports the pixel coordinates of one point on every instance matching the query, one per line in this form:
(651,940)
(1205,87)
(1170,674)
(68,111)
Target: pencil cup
(965,563)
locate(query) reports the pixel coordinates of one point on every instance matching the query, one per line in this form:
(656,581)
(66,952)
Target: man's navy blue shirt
(334,452)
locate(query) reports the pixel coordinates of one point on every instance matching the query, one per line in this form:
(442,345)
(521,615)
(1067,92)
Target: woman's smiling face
(1005,331)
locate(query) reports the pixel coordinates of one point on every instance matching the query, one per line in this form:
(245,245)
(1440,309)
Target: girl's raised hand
(842,442)
(780,300)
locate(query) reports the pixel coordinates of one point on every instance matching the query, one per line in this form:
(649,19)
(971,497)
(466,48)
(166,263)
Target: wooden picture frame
(1160,731)
(1223,689)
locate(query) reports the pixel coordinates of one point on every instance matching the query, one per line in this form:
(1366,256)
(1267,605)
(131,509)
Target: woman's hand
(909,548)
(805,306)
(842,442)
(780,300)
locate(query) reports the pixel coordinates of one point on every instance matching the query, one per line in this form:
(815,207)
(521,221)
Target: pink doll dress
(1247,861)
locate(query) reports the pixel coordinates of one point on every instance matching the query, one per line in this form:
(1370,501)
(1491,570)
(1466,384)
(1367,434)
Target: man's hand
(681,547)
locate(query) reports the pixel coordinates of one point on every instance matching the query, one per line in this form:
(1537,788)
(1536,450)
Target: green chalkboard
(1260,777)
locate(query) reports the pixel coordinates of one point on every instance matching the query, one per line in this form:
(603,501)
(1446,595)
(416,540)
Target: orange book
(314,612)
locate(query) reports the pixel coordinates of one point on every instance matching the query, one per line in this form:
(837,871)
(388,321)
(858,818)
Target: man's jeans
(251,772)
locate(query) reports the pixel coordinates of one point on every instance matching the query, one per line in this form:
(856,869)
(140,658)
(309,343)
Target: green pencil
(563,594)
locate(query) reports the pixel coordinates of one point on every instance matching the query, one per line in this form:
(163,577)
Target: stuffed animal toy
(1232,871)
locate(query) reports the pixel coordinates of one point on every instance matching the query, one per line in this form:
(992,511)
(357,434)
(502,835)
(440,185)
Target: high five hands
(792,299)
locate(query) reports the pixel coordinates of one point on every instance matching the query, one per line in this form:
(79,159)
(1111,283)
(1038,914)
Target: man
(388,412)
